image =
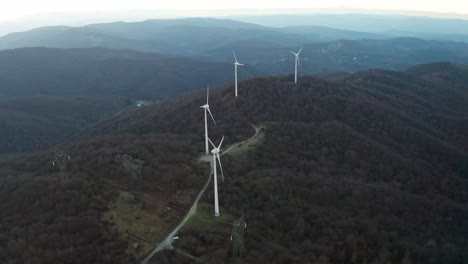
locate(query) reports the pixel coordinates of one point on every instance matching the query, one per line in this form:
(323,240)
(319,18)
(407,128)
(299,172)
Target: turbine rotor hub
(215,151)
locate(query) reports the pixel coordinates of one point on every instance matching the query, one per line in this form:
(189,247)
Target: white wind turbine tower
(206,108)
(216,155)
(235,68)
(297,63)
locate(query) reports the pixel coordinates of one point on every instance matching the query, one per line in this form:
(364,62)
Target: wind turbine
(235,68)
(297,63)
(206,107)
(215,153)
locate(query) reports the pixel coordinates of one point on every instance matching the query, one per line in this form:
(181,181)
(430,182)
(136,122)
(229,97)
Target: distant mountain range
(193,36)
(177,36)
(143,75)
(389,25)
(265,48)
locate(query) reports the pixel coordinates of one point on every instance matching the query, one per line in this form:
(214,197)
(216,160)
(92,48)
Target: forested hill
(369,168)
(447,73)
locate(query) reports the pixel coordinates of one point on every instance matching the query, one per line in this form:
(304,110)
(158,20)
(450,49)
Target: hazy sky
(14,9)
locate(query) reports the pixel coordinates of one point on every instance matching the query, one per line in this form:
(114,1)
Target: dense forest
(44,222)
(370,167)
(40,122)
(372,172)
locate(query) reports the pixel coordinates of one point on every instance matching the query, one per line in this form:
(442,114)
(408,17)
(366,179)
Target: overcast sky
(15,9)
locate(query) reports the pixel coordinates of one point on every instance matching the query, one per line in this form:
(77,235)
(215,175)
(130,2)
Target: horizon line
(179,13)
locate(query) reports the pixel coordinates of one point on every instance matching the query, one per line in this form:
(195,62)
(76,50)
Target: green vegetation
(204,217)
(139,223)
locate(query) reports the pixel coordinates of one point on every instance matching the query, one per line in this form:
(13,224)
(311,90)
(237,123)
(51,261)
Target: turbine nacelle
(216,155)
(297,63)
(215,151)
(206,109)
(297,54)
(216,159)
(236,61)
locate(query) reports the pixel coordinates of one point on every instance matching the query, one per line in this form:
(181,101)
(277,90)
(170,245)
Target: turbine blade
(207,93)
(211,142)
(298,62)
(211,115)
(240,64)
(221,143)
(299,51)
(292,52)
(220,166)
(233,53)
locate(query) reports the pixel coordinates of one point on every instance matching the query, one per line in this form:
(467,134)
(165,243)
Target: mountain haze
(418,25)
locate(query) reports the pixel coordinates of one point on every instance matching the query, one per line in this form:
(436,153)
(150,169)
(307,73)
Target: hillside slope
(40,122)
(369,168)
(453,74)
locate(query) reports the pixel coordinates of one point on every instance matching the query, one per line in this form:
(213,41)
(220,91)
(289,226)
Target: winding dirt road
(167,243)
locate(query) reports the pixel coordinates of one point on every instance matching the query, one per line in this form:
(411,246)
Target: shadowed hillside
(40,122)
(454,74)
(104,72)
(369,168)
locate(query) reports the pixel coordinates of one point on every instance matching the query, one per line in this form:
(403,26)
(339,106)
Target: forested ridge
(369,168)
